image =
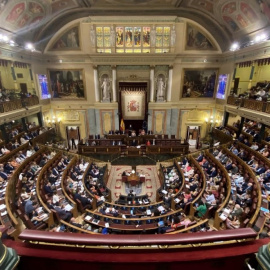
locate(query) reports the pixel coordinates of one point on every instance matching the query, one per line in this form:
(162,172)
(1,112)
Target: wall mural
(196,40)
(234,15)
(67,84)
(15,13)
(199,83)
(264,6)
(206,5)
(69,40)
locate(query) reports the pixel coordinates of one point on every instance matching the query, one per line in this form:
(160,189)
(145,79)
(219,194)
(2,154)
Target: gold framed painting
(67,84)
(199,83)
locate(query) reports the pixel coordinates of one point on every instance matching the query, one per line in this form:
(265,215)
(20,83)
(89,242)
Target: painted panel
(69,40)
(67,84)
(199,83)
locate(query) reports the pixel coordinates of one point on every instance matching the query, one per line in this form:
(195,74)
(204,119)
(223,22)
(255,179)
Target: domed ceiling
(37,20)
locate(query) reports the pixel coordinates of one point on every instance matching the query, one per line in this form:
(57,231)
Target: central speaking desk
(133,179)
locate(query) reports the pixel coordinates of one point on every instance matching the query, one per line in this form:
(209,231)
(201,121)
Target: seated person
(133,133)
(56,198)
(8,168)
(209,198)
(201,209)
(30,152)
(232,224)
(25,195)
(36,219)
(142,132)
(30,206)
(187,221)
(74,223)
(63,214)
(4,150)
(175,222)
(48,188)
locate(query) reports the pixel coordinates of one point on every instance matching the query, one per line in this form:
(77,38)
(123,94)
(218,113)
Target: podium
(133,179)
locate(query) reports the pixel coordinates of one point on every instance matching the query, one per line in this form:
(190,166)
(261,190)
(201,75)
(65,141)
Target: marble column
(97,93)
(169,90)
(152,84)
(114,84)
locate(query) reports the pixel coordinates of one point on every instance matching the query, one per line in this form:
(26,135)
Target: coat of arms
(133,106)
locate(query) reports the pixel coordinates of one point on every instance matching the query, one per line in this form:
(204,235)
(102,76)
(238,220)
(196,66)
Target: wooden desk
(104,146)
(133,179)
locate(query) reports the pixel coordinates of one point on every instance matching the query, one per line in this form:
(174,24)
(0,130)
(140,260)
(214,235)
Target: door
(23,87)
(235,85)
(193,136)
(73,136)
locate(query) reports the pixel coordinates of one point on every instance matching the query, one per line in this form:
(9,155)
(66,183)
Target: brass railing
(250,104)
(17,104)
(254,105)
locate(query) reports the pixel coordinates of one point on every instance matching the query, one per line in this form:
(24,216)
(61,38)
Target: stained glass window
(107,37)
(129,36)
(119,36)
(103,35)
(99,33)
(146,36)
(137,36)
(163,35)
(133,39)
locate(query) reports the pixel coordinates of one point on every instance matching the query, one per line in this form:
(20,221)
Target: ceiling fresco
(38,19)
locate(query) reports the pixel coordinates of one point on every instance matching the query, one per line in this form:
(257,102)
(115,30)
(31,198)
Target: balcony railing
(251,104)
(17,104)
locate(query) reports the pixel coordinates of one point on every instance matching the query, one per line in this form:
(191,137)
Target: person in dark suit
(86,202)
(213,172)
(8,168)
(52,178)
(43,161)
(3,174)
(228,165)
(49,204)
(256,136)
(29,207)
(55,172)
(260,170)
(200,157)
(134,143)
(30,175)
(63,214)
(73,144)
(22,155)
(250,162)
(48,188)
